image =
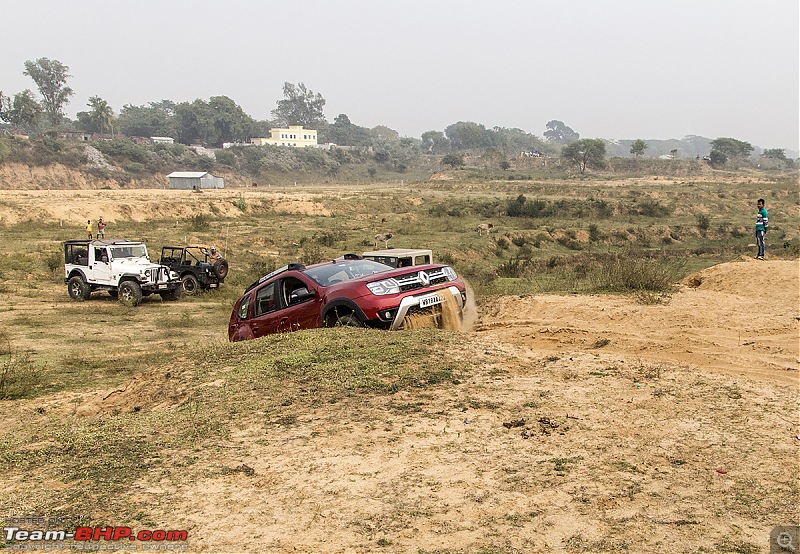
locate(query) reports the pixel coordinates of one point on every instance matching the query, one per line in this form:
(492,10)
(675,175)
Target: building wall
(192,183)
(294,136)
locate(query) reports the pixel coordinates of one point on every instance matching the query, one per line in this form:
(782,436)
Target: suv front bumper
(410,303)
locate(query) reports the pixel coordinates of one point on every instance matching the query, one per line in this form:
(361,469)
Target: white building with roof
(194,180)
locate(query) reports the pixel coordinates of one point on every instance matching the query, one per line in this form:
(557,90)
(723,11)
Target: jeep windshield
(129,251)
(341,271)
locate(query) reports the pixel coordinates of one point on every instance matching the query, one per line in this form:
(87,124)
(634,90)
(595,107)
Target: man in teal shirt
(762,226)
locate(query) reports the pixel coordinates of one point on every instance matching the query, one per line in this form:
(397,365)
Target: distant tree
(585,152)
(674,153)
(725,149)
(344,133)
(50,77)
(775,154)
(153,120)
(559,133)
(453,160)
(101,115)
(466,135)
(228,121)
(717,158)
(24,111)
(300,106)
(382,132)
(505,165)
(513,141)
(434,142)
(638,147)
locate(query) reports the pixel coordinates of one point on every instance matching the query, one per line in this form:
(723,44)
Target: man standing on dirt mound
(762,226)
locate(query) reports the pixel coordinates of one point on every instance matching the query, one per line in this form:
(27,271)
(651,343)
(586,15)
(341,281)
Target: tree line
(221,120)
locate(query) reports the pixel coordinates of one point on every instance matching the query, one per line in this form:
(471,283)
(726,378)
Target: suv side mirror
(300,294)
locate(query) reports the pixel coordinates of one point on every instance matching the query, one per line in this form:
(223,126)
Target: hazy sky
(616,69)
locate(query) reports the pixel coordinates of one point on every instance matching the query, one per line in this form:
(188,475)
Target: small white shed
(193,180)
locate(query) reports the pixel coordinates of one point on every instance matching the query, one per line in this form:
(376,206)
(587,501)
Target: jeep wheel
(348,320)
(130,293)
(78,288)
(191,285)
(221,268)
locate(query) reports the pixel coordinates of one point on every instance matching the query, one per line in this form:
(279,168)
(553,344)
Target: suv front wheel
(78,288)
(130,293)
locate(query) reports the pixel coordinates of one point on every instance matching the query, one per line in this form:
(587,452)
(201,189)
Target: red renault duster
(348,291)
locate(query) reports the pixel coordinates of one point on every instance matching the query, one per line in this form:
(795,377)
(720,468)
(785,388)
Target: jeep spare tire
(78,288)
(130,293)
(221,268)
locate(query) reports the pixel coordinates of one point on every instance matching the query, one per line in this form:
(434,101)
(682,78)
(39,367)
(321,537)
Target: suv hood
(143,263)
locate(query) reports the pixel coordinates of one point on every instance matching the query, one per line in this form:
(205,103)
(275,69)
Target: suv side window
(100,255)
(242,313)
(420,260)
(265,300)
(290,285)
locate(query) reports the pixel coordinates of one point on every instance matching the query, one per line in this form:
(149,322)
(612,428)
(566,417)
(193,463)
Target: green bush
(652,208)
(199,222)
(511,268)
(630,274)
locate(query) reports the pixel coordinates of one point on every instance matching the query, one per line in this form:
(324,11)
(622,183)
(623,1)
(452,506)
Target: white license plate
(430,300)
(162,286)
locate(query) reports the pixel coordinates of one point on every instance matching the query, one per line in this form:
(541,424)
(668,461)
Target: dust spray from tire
(444,315)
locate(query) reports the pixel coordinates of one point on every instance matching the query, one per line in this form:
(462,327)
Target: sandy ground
(75,207)
(665,439)
(593,424)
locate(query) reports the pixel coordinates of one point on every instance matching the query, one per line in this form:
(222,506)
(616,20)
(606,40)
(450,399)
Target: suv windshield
(339,272)
(129,251)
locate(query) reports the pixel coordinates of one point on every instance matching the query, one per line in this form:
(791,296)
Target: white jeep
(122,268)
(400,257)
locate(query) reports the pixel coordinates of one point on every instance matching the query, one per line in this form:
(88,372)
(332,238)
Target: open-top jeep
(120,267)
(193,265)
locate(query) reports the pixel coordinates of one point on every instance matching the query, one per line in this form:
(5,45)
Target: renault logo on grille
(425,278)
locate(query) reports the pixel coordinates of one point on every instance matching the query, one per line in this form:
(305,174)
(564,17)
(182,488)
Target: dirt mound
(739,317)
(751,277)
(155,390)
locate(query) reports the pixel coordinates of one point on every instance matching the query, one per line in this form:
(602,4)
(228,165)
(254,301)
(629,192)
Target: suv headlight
(450,273)
(387,286)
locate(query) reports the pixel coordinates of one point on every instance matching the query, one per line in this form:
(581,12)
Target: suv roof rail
(290,267)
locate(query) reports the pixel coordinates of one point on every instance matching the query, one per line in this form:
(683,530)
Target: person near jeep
(213,255)
(101,229)
(89,228)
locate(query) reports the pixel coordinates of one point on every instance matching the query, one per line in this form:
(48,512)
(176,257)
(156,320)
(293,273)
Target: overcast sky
(615,69)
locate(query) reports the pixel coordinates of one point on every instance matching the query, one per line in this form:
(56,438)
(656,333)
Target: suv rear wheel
(130,293)
(78,288)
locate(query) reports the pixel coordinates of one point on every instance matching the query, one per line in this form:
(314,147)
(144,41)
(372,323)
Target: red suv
(347,291)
